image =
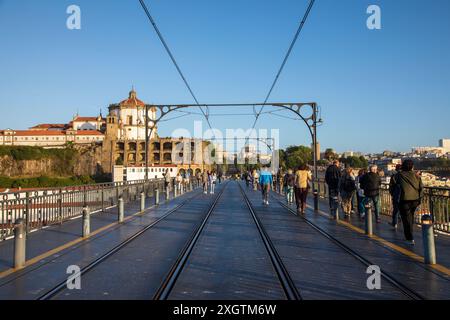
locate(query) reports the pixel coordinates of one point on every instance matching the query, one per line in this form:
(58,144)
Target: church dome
(132,100)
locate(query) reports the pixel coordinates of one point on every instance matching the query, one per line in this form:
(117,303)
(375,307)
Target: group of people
(208,180)
(405,187)
(295,185)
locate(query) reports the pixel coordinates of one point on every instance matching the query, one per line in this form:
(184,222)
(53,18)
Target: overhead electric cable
(299,29)
(161,38)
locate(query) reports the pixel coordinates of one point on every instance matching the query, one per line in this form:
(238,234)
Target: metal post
(86,222)
(316,200)
(121,210)
(429,248)
(60,207)
(168,193)
(336,208)
(316,171)
(20,237)
(146,143)
(175,191)
(27,212)
(142,201)
(103,198)
(368,219)
(157,197)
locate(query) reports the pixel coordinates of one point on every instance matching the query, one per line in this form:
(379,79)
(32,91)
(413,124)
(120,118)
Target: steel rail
(410,293)
(286,281)
(169,281)
(62,285)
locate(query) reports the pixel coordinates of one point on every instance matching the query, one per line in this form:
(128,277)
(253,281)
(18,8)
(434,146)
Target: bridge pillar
(368,219)
(19,244)
(157,197)
(86,222)
(120,210)
(142,201)
(429,247)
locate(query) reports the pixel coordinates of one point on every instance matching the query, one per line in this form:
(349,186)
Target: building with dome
(120,137)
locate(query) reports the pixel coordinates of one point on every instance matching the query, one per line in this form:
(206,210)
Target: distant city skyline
(378,89)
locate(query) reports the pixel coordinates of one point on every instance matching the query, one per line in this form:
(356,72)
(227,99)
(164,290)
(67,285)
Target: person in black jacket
(332,178)
(371,184)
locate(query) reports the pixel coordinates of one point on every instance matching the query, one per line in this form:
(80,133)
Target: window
(129,120)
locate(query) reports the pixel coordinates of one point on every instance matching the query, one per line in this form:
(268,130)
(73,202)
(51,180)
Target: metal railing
(46,207)
(436,201)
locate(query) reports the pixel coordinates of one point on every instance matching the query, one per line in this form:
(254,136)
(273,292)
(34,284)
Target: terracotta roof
(132,100)
(87,119)
(21,133)
(49,126)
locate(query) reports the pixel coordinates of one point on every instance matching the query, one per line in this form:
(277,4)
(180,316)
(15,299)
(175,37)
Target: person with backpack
(411,193)
(265,181)
(395,191)
(332,178)
(361,199)
(371,184)
(347,188)
(289,183)
(303,178)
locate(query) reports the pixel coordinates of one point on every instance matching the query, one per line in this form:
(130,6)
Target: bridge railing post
(120,210)
(86,222)
(368,219)
(156,196)
(20,237)
(429,247)
(142,201)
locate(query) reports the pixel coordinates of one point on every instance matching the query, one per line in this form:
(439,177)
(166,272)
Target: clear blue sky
(386,89)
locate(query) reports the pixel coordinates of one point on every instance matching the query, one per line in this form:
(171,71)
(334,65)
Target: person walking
(332,177)
(205,178)
(347,188)
(265,181)
(395,191)
(198,176)
(255,176)
(167,180)
(361,199)
(411,193)
(289,184)
(179,181)
(213,178)
(303,178)
(371,184)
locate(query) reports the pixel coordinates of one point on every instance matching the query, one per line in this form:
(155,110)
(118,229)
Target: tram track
(288,285)
(404,289)
(62,285)
(170,279)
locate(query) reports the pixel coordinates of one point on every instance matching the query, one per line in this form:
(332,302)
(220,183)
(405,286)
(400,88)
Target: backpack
(349,185)
(397,189)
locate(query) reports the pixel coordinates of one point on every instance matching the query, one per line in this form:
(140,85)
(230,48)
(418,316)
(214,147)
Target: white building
(445,144)
(48,138)
(131,118)
(132,173)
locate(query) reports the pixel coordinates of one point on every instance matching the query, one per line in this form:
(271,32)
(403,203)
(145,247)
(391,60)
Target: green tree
(297,155)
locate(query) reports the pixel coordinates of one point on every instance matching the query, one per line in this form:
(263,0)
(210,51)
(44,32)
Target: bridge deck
(229,260)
